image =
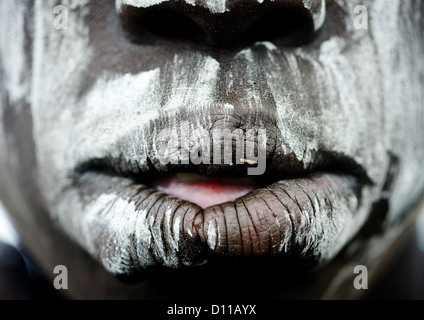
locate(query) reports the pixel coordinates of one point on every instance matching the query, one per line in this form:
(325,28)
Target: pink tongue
(204,193)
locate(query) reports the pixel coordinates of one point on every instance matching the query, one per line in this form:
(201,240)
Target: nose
(223,22)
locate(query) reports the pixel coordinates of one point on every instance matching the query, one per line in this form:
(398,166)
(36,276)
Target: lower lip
(129,227)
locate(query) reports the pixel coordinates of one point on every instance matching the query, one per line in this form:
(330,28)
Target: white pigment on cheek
(401,55)
(12,50)
(53,87)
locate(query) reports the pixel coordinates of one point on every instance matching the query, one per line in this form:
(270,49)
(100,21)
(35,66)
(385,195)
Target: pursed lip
(305,211)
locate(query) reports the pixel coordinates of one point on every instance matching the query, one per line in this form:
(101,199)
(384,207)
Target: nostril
(243,22)
(146,26)
(288,27)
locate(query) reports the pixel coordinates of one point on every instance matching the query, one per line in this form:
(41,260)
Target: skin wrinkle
(325,192)
(159,244)
(311,202)
(143,215)
(292,224)
(207,236)
(167,238)
(253,224)
(148,197)
(172,219)
(194,233)
(287,212)
(161,227)
(264,218)
(224,235)
(150,222)
(320,205)
(263,228)
(225,218)
(240,229)
(301,233)
(246,221)
(256,224)
(272,244)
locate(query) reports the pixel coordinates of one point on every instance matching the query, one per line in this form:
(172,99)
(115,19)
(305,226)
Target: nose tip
(227,22)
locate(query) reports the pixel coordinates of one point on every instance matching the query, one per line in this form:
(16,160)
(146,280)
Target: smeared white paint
(108,213)
(220,6)
(267,44)
(214,6)
(138,3)
(212,235)
(120,219)
(247,54)
(318,15)
(12,50)
(176,232)
(201,91)
(190,233)
(8,233)
(145,238)
(228,108)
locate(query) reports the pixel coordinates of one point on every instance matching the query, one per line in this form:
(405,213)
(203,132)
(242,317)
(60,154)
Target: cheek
(17,152)
(60,56)
(18,188)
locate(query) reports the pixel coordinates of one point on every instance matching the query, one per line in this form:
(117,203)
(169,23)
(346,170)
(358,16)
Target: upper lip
(121,159)
(181,233)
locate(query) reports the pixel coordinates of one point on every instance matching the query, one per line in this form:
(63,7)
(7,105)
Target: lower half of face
(184,153)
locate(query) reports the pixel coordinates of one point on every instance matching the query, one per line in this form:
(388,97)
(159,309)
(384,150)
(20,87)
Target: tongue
(204,192)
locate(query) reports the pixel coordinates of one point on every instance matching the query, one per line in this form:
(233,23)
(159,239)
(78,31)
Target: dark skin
(325,97)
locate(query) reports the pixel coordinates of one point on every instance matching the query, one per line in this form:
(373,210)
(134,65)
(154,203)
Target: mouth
(135,217)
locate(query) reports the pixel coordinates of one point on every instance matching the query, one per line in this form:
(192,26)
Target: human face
(83,108)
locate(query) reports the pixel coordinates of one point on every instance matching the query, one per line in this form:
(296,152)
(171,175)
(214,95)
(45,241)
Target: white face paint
(214,6)
(7,231)
(94,97)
